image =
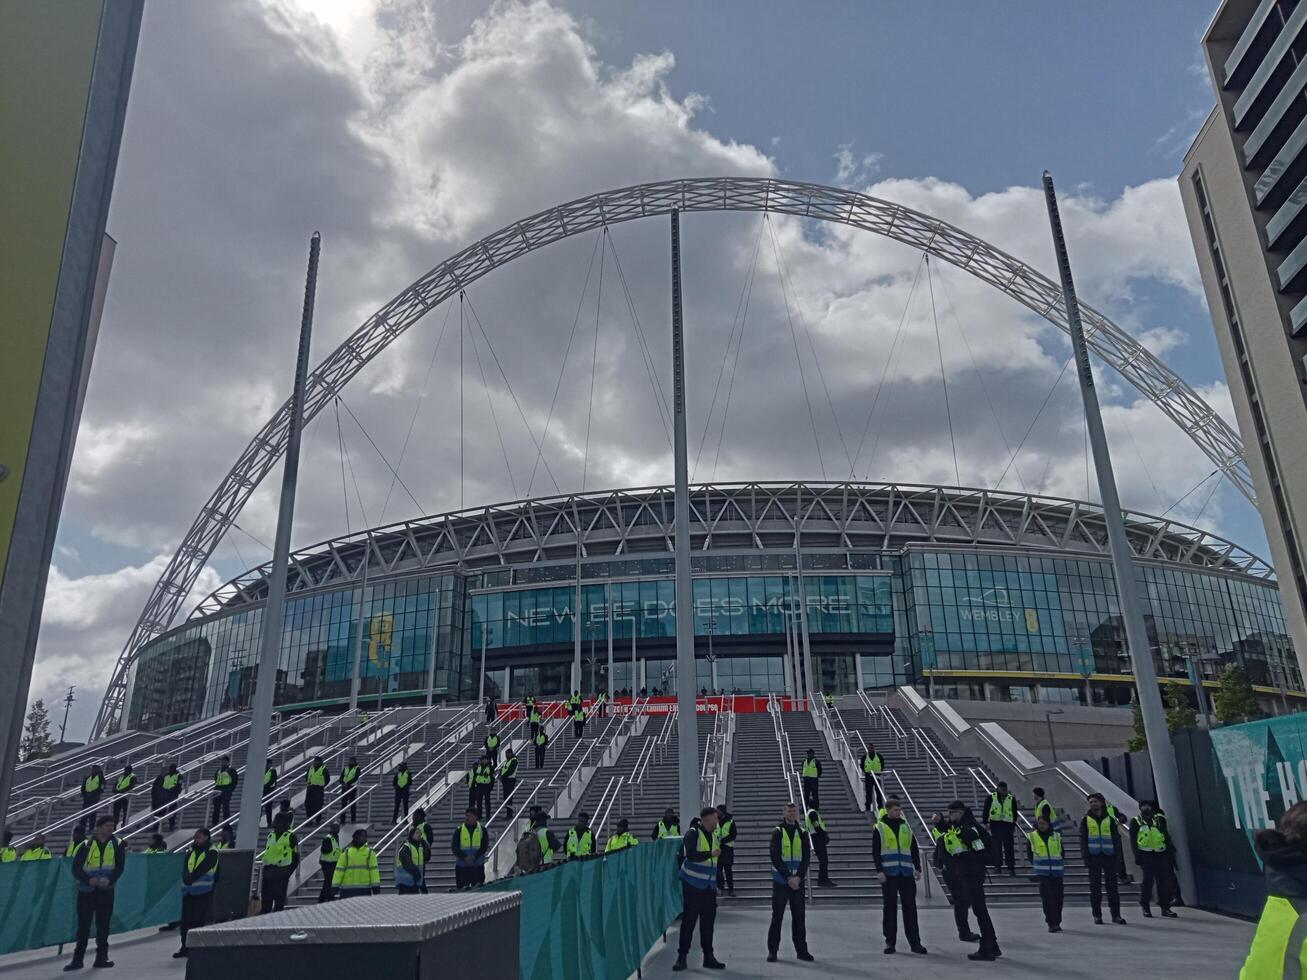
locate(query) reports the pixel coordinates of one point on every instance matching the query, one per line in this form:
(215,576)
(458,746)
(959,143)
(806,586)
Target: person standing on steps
(199,874)
(1001,809)
(1100,846)
(122,795)
(961,848)
(790,852)
(491,747)
(898,867)
(699,890)
(224,785)
(281,856)
(541,741)
(411,865)
(508,781)
(816,828)
(580,839)
(621,838)
(492,708)
(269,786)
(668,826)
(358,872)
(726,834)
(872,766)
(402,783)
(1044,848)
(1043,808)
(1152,849)
(97,866)
(578,720)
(536,719)
(317,779)
(328,858)
(92,789)
(811,781)
(349,788)
(170,790)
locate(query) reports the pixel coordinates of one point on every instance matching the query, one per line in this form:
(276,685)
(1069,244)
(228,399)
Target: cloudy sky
(404,130)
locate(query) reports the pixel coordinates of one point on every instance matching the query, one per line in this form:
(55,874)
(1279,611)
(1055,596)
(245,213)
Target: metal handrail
(892,722)
(591,744)
(604,807)
(984,780)
(523,808)
(933,753)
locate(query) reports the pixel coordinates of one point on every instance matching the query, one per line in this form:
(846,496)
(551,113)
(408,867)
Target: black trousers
(97,905)
(493,756)
(468,877)
(272,892)
(1157,870)
(726,865)
(969,894)
(578,729)
(781,896)
(1050,896)
(170,813)
(507,787)
(267,812)
(899,890)
(700,908)
(535,729)
(325,894)
(401,803)
(811,793)
(1102,871)
(540,756)
(348,798)
(197,910)
(1004,852)
(313,800)
(91,800)
(120,806)
(871,791)
(819,844)
(221,807)
(411,889)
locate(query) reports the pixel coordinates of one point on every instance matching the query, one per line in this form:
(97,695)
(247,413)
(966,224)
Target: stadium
(983,594)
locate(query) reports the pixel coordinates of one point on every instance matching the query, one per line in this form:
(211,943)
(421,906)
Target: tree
(1235,700)
(36,742)
(1179,712)
(1138,741)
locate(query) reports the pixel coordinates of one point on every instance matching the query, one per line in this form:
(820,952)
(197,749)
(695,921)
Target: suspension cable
(735,363)
(371,442)
(251,537)
(1129,430)
(594,363)
(943,377)
(1216,485)
(340,443)
(426,381)
(349,463)
(1030,428)
(490,404)
(646,353)
(1186,494)
(794,336)
(544,438)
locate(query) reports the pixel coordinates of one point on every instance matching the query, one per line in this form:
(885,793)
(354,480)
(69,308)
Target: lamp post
(1048,720)
(926,637)
(481,681)
(712,657)
(1085,664)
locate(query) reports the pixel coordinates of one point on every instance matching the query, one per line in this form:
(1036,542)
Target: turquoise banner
(1264,767)
(597,917)
(38,899)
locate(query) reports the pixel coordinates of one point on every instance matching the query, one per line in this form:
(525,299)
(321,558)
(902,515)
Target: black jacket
(893,825)
(1286,866)
(774,852)
(1160,823)
(1084,837)
(235,779)
(271,784)
(455,844)
(972,862)
(208,864)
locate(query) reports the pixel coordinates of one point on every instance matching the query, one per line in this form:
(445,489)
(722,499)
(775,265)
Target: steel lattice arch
(1117,348)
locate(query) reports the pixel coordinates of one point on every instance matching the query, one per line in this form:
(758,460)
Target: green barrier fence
(38,899)
(597,917)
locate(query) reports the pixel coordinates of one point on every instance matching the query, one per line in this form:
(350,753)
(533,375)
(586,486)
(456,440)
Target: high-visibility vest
(509,769)
(402,778)
(485,775)
(469,844)
(402,875)
(278,852)
(267,776)
(223,779)
(1270,954)
(357,869)
(92,784)
(541,739)
(317,776)
(172,780)
(204,883)
(621,842)
(810,769)
(724,829)
(546,852)
(8,854)
(36,854)
(535,717)
(1047,854)
(580,845)
(350,775)
(1001,809)
(164,850)
(1150,838)
(701,874)
(953,844)
(578,714)
(332,854)
(222,845)
(492,742)
(791,853)
(666,830)
(810,826)
(1045,809)
(100,855)
(1098,834)
(896,849)
(125,782)
(72,847)
(872,763)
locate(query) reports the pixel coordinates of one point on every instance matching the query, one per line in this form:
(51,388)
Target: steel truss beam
(1027,286)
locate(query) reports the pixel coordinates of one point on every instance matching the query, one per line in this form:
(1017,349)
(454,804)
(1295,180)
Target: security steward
(1044,848)
(535,718)
(961,847)
(199,875)
(668,826)
(491,746)
(1043,808)
(816,828)
(1278,948)
(508,781)
(157,845)
(1152,848)
(1100,846)
(578,720)
(97,866)
(872,766)
(469,844)
(410,864)
(92,788)
(281,856)
(357,873)
(224,783)
(317,779)
(811,773)
(479,780)
(580,838)
(9,853)
(37,851)
(269,787)
(122,795)
(349,788)
(790,854)
(898,867)
(726,836)
(1001,811)
(328,858)
(621,838)
(549,844)
(541,741)
(699,890)
(402,782)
